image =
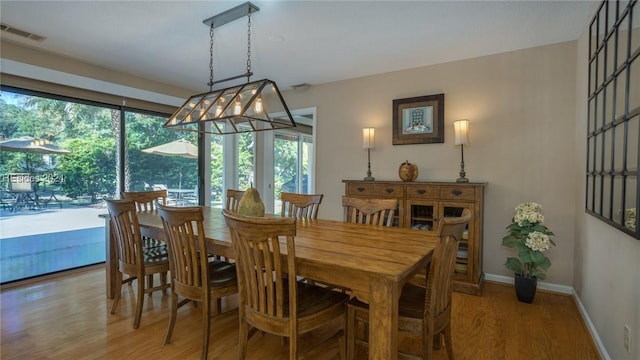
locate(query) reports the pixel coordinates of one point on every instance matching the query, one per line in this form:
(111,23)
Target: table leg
(383,320)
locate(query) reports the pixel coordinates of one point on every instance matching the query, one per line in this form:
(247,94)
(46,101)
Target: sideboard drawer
(422,192)
(388,190)
(360,189)
(457,193)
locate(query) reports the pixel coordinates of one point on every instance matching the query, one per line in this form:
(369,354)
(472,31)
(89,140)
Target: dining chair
(133,259)
(424,311)
(453,226)
(271,300)
(301,206)
(233,199)
(193,276)
(146,201)
(369,210)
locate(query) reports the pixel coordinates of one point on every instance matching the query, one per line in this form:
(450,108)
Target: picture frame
(418,120)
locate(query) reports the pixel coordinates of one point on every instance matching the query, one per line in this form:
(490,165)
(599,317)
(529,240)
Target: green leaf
(540,228)
(545,264)
(514,265)
(509,241)
(525,255)
(537,257)
(541,275)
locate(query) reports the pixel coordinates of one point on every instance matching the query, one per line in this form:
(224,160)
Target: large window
(53,185)
(157,158)
(273,161)
(614,115)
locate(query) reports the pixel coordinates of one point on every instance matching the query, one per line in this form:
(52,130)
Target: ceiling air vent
(21,33)
(302,86)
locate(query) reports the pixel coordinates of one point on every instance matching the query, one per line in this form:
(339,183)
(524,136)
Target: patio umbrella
(27,144)
(179,147)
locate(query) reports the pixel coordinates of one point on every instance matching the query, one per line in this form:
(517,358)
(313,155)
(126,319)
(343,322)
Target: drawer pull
(456,192)
(389,191)
(360,189)
(421,191)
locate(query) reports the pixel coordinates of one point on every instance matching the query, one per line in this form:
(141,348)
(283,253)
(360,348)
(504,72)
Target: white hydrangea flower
(630,218)
(537,241)
(530,212)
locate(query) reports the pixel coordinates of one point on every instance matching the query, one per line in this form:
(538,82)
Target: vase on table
(526,288)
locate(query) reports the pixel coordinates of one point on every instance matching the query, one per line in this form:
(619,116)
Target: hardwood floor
(68,318)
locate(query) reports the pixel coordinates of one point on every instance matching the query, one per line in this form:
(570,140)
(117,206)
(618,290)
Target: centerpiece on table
(531,239)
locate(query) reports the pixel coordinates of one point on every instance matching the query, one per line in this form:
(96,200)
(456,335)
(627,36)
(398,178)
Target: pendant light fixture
(249,107)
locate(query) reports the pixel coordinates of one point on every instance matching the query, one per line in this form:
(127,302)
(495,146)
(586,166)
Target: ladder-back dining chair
(233,199)
(454,226)
(193,276)
(424,311)
(133,259)
(146,201)
(271,300)
(301,206)
(369,211)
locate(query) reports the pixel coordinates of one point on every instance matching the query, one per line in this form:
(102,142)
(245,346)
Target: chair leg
(150,283)
(116,299)
(163,281)
(243,334)
(293,345)
(173,313)
(218,304)
(351,333)
(206,329)
(447,341)
(437,341)
(140,302)
(427,343)
(342,342)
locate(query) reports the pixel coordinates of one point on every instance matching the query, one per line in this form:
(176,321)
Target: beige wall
(607,261)
(521,108)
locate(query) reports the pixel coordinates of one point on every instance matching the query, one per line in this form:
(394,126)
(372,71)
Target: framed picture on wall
(418,120)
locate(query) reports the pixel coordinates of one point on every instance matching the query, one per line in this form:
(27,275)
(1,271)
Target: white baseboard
(563,289)
(591,327)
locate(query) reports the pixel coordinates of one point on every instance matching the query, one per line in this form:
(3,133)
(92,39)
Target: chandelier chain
(249,43)
(211,57)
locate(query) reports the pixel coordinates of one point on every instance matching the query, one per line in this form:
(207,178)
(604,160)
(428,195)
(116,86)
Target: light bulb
(257,107)
(237,108)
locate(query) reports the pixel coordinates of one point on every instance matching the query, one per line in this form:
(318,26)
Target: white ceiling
(293,42)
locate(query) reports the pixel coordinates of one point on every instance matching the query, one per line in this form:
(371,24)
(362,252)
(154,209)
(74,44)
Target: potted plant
(531,239)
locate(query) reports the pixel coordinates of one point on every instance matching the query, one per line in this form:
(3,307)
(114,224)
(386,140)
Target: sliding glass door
(57,164)
(273,161)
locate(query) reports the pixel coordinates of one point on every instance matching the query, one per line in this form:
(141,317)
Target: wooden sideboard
(422,204)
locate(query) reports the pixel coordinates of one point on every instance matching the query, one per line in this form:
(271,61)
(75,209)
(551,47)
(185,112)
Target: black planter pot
(526,288)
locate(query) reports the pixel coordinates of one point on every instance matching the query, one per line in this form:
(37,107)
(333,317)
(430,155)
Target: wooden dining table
(373,262)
